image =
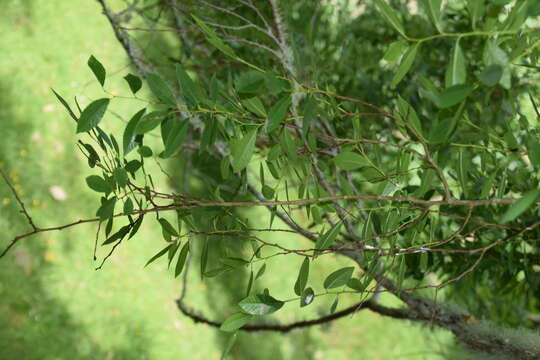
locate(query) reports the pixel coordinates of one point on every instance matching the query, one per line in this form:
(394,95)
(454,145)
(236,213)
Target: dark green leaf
(491,75)
(133,166)
(160,89)
(175,138)
(310,114)
(261,271)
(409,115)
(129,132)
(302,279)
(145,151)
(167,227)
(533,147)
(97,68)
(150,121)
(261,304)
(120,234)
(442,131)
(255,105)
(66,105)
(334,305)
(186,85)
(235,322)
(278,113)
(128,206)
(307,297)
(181,259)
(92,115)
(120,176)
(520,206)
(134,82)
(106,210)
(338,278)
(327,240)
(356,284)
(213,38)
(158,255)
(97,183)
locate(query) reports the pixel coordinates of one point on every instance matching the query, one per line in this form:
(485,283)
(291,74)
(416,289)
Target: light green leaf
(160,89)
(235,322)
(338,278)
(390,15)
(98,69)
(396,50)
(520,206)
(261,304)
(456,73)
(356,284)
(433,10)
(476,11)
(327,240)
(302,279)
(277,113)
(228,347)
(242,150)
(92,115)
(349,160)
(405,65)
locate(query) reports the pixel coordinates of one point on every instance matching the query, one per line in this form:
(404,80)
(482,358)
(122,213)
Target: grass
(53,304)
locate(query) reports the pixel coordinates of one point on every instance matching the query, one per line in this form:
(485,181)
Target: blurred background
(53,304)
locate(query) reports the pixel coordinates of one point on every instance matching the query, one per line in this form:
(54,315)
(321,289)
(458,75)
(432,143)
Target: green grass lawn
(53,304)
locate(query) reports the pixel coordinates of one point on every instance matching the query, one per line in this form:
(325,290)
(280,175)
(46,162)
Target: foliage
(402,140)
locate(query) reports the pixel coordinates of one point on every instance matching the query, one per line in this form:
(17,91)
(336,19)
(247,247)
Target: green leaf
(349,160)
(520,206)
(261,304)
(128,206)
(338,278)
(268,192)
(160,89)
(454,95)
(476,11)
(307,297)
(158,255)
(120,176)
(186,85)
(433,10)
(120,234)
(228,347)
(310,114)
(92,115)
(409,115)
(97,183)
(456,73)
(65,104)
(442,131)
(356,284)
(213,38)
(133,166)
(533,147)
(181,259)
(261,271)
(390,16)
(106,210)
(175,138)
(491,75)
(396,50)
(334,305)
(242,150)
(129,132)
(302,279)
(167,227)
(405,64)
(145,151)
(98,69)
(250,82)
(255,105)
(134,82)
(327,240)
(277,113)
(235,322)
(150,121)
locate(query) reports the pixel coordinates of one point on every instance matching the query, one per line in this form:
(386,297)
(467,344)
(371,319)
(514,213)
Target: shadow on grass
(33,324)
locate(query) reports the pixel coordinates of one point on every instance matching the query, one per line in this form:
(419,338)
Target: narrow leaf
(261,304)
(158,255)
(338,278)
(302,279)
(160,89)
(235,322)
(520,206)
(327,240)
(181,259)
(242,150)
(167,227)
(128,137)
(349,160)
(186,85)
(405,65)
(277,114)
(456,73)
(390,15)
